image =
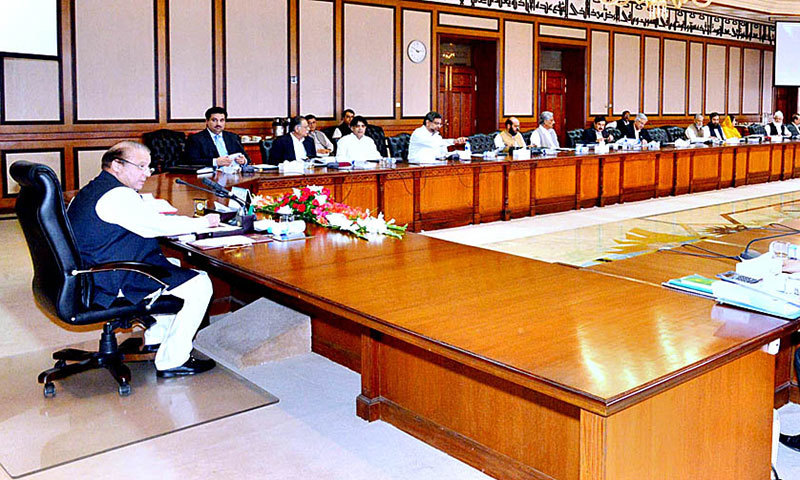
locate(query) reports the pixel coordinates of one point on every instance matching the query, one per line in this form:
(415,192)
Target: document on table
(222,242)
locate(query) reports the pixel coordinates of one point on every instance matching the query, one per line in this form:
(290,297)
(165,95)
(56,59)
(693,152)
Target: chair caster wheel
(124,390)
(60,364)
(49,390)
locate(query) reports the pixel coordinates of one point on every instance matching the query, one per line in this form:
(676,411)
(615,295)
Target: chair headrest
(26,173)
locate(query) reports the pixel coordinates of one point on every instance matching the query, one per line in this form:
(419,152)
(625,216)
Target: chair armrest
(152,271)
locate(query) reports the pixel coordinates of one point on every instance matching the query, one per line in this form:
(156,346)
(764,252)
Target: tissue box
(522,154)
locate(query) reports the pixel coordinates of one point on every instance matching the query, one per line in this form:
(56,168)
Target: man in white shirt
(321,142)
(695,131)
(714,129)
(426,144)
(545,136)
(509,138)
(776,127)
(357,146)
(112,223)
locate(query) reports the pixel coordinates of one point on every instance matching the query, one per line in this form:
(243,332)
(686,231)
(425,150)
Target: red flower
(315,203)
(301,207)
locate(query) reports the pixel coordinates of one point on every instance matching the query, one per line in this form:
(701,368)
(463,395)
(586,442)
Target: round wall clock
(417,51)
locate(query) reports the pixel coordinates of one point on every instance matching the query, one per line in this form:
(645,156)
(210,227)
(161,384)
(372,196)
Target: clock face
(417,51)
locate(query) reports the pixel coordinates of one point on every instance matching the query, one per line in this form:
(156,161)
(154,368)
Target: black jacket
(283,149)
(200,148)
(629,133)
(590,137)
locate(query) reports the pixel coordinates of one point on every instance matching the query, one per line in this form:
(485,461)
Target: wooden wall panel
(751,73)
(468,21)
(53,159)
(695,78)
(766,102)
(518,69)
(256,63)
(191,64)
(626,73)
(115,60)
(316,58)
(715,78)
(598,85)
(674,91)
(31,90)
(88,165)
(652,75)
(416,76)
(734,80)
(369,60)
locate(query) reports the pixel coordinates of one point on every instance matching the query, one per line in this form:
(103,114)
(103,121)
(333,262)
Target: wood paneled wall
(152,64)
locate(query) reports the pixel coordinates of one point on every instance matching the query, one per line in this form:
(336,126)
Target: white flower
(375,225)
(296,192)
(284,210)
(339,220)
(315,188)
(321,199)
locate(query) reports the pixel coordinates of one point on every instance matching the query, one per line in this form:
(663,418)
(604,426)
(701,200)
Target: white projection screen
(29,27)
(787,54)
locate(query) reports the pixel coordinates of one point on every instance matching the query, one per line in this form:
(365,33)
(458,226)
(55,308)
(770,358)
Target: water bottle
(467,147)
(784,250)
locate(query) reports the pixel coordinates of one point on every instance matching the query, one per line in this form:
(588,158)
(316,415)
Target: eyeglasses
(143,168)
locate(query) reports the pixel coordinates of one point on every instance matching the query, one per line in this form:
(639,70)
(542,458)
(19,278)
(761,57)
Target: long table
(459,193)
(521,368)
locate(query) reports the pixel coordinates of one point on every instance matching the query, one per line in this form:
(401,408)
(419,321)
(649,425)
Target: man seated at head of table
(321,142)
(776,126)
(357,146)
(636,129)
(714,128)
(214,147)
(295,145)
(794,126)
(426,143)
(510,137)
(344,127)
(696,132)
(597,133)
(545,135)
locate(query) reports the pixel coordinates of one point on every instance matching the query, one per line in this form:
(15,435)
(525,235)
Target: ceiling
(758,10)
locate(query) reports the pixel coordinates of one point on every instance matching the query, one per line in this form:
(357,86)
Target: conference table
(521,368)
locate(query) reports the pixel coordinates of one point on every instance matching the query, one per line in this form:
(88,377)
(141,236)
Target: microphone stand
(241,219)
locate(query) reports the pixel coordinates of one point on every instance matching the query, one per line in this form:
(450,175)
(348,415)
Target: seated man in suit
(295,145)
(112,223)
(357,146)
(545,136)
(714,129)
(695,132)
(776,126)
(214,147)
(321,142)
(636,129)
(597,133)
(344,127)
(794,126)
(509,138)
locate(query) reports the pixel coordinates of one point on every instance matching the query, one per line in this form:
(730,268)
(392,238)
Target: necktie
(223,152)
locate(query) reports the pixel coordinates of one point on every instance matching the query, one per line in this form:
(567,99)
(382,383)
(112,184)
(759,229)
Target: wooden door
(457,92)
(786,102)
(553,86)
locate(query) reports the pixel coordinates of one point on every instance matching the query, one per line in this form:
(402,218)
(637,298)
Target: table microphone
(747,254)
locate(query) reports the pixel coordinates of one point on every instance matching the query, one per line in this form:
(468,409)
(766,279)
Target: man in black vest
(213,146)
(112,222)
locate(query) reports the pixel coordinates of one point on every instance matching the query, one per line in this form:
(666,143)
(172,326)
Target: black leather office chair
(166,148)
(62,284)
(398,145)
(376,133)
(265,146)
(675,133)
(574,137)
(756,129)
(527,137)
(480,142)
(658,135)
(615,132)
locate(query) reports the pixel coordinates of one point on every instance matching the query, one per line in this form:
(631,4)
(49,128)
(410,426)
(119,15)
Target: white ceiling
(758,10)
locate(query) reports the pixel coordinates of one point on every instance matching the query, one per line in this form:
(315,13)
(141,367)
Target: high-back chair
(62,284)
(166,148)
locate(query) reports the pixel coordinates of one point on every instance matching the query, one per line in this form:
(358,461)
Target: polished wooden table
(430,197)
(521,368)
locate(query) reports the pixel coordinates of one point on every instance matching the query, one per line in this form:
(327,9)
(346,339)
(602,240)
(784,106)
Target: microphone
(181,181)
(215,186)
(217,190)
(748,255)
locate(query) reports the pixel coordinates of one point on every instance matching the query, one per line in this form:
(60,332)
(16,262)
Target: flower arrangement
(314,204)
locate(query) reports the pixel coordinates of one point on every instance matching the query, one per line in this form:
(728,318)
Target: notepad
(697,284)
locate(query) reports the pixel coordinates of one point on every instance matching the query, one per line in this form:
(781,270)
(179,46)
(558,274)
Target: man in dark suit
(295,145)
(598,133)
(214,147)
(794,126)
(636,129)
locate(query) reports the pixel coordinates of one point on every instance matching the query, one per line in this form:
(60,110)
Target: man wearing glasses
(295,145)
(113,223)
